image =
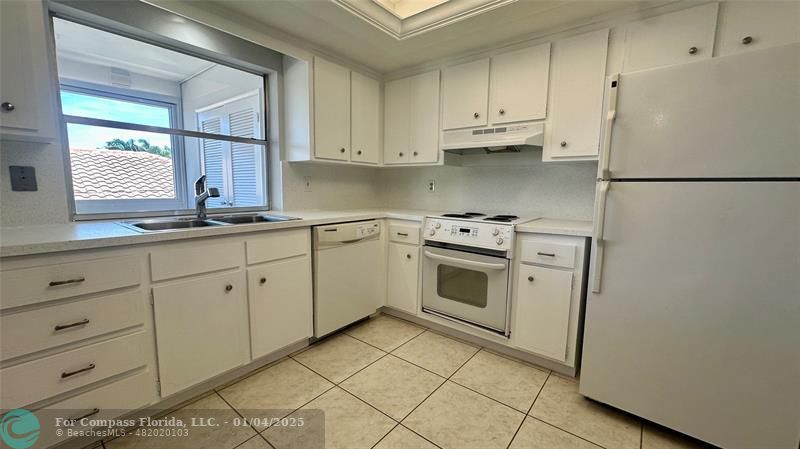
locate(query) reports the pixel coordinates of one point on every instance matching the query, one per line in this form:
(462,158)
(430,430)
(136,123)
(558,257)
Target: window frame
(125,206)
(185,188)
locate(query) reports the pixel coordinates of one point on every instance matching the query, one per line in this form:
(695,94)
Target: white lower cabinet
(403,277)
(201,328)
(543,304)
(280,304)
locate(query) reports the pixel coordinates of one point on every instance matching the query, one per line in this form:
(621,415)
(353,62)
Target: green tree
(138,145)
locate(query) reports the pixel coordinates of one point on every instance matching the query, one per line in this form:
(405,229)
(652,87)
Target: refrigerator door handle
(597,235)
(611,114)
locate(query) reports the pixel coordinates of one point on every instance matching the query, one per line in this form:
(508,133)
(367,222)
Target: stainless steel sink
(169,225)
(250,218)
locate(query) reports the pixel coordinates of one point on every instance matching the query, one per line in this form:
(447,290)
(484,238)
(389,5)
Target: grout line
(389,351)
(387,434)
(235,410)
(410,340)
(529,411)
(567,431)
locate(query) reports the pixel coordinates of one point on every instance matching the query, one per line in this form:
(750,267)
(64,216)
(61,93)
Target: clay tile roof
(115,174)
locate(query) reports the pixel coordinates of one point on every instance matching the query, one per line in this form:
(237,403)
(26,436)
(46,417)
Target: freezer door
(729,117)
(697,324)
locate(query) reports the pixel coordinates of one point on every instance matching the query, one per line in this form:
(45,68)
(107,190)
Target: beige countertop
(28,240)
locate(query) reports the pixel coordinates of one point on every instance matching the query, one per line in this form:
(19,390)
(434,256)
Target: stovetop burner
(498,219)
(457,216)
(474,214)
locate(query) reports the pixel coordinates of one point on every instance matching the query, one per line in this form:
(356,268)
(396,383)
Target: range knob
(432,232)
(500,240)
(437,225)
(496,231)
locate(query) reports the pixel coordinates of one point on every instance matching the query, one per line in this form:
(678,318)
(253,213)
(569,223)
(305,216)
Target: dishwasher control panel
(367,230)
(344,233)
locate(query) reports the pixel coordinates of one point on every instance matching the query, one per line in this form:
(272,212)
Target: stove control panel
(496,236)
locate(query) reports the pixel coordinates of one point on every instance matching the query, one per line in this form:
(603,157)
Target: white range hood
(491,139)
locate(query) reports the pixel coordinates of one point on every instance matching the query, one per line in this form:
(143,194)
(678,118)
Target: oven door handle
(485,265)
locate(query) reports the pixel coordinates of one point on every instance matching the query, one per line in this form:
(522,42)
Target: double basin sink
(174,224)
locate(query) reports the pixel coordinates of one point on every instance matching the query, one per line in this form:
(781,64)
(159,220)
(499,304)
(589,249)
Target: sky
(86,136)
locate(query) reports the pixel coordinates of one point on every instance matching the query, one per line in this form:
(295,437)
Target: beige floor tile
(339,357)
(385,332)
(457,418)
(402,438)
(393,386)
(222,437)
(349,424)
(657,437)
(535,434)
(512,383)
(275,391)
(437,353)
(561,405)
(254,443)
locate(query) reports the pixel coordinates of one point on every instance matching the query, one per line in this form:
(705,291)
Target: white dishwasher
(347,274)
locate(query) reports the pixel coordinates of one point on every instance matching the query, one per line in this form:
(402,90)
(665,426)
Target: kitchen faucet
(201,194)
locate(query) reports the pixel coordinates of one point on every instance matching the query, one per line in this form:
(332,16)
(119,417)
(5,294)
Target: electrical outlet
(307,183)
(23,178)
(431,185)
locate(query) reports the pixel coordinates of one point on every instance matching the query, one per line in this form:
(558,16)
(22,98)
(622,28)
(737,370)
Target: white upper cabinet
(366,112)
(576,97)
(519,85)
(411,120)
(331,111)
(674,38)
(747,26)
(27,109)
(465,95)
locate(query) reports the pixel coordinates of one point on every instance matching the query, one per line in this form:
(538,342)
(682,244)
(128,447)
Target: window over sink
(144,122)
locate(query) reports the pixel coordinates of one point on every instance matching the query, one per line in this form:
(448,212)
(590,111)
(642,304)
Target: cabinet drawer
(186,260)
(404,233)
(547,253)
(278,245)
(104,403)
(60,373)
(44,283)
(35,330)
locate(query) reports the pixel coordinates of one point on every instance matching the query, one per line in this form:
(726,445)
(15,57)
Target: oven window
(462,285)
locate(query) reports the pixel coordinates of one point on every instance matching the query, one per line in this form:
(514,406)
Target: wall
(71,69)
(332,186)
(558,190)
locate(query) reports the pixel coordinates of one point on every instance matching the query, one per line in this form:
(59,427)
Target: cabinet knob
(8,107)
(747,40)
(476,115)
(408,256)
(502,111)
(693,50)
(400,154)
(341,150)
(228,287)
(563,143)
(358,152)
(262,281)
(416,154)
(530,278)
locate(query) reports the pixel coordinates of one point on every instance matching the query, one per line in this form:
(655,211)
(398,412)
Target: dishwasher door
(348,273)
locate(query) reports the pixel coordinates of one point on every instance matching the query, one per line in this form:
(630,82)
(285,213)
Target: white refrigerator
(693,321)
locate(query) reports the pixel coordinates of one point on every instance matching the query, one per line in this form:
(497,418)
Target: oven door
(466,286)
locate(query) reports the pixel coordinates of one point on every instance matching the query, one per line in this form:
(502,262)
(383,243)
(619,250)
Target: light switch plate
(23,178)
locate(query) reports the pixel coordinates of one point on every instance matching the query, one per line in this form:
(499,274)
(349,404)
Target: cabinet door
(396,121)
(403,277)
(366,113)
(542,317)
(576,108)
(747,26)
(201,329)
(280,304)
(519,85)
(331,110)
(674,38)
(424,97)
(25,82)
(466,94)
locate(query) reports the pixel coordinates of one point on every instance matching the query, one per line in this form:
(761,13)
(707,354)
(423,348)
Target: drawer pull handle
(61,327)
(262,281)
(530,278)
(403,234)
(546,254)
(228,287)
(66,374)
(408,256)
(68,281)
(91,412)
